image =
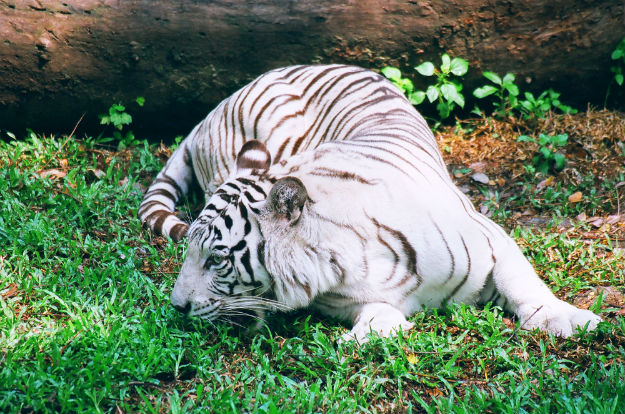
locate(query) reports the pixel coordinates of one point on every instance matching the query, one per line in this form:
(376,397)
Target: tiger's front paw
(560,318)
(378,318)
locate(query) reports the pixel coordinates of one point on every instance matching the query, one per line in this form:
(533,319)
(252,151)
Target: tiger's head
(224,275)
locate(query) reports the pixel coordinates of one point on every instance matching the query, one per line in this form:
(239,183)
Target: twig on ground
(516,329)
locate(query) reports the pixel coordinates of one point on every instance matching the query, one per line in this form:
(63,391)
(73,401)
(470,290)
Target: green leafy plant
(507,94)
(618,69)
(549,156)
(537,107)
(504,89)
(118,118)
(618,55)
(446,91)
(404,84)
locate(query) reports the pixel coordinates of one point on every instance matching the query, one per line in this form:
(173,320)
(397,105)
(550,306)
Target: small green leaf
(406,85)
(525,138)
(426,68)
(459,99)
(417,97)
(529,96)
(444,109)
(560,160)
(116,108)
(477,111)
(618,53)
(544,139)
(450,92)
(484,91)
(545,152)
(508,79)
(446,65)
(561,139)
(432,93)
(493,77)
(543,167)
(512,88)
(619,78)
(459,66)
(391,73)
(140,100)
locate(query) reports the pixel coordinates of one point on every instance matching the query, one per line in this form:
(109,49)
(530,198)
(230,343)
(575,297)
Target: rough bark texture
(60,59)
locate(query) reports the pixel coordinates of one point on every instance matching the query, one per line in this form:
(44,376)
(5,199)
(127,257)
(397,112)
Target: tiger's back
(289,110)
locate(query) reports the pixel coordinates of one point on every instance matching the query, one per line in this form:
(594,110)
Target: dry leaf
(97,173)
(64,163)
(548,182)
(435,392)
(596,221)
(11,292)
(613,219)
(575,197)
(478,167)
(52,173)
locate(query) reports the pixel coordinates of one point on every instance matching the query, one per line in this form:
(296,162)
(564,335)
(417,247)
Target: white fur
(384,231)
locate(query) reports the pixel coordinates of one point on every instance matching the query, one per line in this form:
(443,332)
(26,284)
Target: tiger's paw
(560,318)
(377,318)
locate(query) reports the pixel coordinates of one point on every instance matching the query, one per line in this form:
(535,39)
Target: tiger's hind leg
(171,184)
(378,318)
(518,288)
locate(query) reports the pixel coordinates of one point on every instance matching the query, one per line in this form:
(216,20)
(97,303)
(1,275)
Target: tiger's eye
(214,260)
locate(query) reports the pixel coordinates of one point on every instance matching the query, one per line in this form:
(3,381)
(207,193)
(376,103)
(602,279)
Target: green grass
(86,325)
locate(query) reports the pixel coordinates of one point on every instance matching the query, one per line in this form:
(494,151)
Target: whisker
(250,315)
(256,301)
(231,322)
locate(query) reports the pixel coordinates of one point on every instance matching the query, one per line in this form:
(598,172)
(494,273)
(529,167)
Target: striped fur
(356,216)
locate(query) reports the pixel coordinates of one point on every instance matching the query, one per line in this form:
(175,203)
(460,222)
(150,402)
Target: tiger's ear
(286,199)
(253,156)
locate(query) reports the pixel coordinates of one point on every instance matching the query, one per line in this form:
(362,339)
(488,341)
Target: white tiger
(357,216)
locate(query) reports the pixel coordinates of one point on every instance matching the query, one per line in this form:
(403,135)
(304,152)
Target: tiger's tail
(170,185)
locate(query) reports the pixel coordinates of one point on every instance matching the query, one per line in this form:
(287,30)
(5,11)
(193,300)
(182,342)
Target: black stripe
(239,246)
(260,252)
(147,205)
(451,255)
(228,222)
(343,175)
(466,276)
(245,260)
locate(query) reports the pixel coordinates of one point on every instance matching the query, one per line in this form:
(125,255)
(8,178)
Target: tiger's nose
(184,307)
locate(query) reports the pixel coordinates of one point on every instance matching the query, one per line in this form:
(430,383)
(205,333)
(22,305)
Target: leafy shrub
(504,89)
(618,55)
(447,92)
(548,156)
(507,98)
(118,118)
(538,107)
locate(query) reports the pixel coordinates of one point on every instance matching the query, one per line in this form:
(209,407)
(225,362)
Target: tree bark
(60,59)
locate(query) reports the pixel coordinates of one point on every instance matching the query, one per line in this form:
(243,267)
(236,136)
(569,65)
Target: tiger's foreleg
(532,301)
(377,318)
